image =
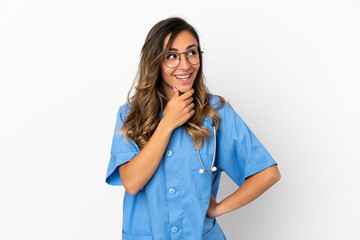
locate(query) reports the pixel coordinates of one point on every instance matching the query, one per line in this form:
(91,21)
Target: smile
(183,76)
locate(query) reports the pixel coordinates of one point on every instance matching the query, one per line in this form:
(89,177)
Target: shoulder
(216,101)
(229,117)
(219,104)
(124,110)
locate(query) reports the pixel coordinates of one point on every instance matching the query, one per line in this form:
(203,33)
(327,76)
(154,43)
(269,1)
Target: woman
(170,174)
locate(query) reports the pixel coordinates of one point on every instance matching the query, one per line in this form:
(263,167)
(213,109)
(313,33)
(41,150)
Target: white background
(289,68)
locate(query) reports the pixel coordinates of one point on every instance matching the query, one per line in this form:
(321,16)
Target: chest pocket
(202,182)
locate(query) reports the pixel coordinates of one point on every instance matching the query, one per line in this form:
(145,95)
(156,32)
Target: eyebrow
(190,46)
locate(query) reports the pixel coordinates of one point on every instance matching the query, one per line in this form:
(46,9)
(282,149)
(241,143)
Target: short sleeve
(240,153)
(121,151)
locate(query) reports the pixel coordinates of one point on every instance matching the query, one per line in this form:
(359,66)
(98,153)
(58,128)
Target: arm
(137,172)
(251,189)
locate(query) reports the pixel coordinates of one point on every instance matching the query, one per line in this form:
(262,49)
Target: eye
(192,52)
(171,56)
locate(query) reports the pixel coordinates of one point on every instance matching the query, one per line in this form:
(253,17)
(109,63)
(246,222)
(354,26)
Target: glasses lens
(171,60)
(193,56)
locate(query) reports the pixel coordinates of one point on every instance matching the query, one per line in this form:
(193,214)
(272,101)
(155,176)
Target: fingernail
(174,89)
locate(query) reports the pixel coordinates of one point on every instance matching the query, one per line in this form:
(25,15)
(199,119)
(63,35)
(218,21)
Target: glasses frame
(179,58)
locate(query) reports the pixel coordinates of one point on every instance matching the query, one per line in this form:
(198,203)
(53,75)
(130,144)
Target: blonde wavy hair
(149,98)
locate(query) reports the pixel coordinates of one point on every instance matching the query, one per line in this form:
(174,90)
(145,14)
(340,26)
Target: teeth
(183,77)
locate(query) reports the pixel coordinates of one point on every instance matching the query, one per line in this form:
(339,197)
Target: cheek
(162,68)
(165,72)
(196,69)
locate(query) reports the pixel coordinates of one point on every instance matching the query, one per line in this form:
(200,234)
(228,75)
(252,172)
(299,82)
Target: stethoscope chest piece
(213,169)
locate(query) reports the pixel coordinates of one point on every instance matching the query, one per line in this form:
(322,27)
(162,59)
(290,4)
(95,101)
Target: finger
(188,101)
(191,106)
(191,113)
(187,94)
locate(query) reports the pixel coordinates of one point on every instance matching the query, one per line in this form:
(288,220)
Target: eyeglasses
(172,60)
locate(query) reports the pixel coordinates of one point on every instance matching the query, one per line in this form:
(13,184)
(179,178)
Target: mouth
(183,78)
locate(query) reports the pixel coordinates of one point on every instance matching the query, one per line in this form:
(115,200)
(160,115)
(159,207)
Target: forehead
(182,40)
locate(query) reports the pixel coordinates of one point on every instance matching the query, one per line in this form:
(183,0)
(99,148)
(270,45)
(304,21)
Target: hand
(213,210)
(179,109)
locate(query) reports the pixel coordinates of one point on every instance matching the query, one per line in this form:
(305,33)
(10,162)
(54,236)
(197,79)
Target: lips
(183,76)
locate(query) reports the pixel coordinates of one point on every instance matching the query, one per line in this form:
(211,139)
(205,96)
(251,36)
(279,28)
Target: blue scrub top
(174,202)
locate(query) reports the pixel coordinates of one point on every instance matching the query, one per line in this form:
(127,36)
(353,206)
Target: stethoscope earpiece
(212,168)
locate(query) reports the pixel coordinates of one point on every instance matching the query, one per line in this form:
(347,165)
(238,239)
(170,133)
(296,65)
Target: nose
(184,63)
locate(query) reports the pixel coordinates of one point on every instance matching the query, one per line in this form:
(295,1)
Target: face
(182,76)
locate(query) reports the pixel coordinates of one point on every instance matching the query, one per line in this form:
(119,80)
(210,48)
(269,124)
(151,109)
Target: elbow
(127,183)
(131,191)
(129,188)
(273,175)
(276,175)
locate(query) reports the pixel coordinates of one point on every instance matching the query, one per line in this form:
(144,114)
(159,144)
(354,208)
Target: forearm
(251,189)
(137,172)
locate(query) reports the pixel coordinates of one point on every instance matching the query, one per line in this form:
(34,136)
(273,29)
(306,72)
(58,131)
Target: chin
(183,89)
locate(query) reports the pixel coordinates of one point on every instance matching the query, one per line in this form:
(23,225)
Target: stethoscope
(212,168)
